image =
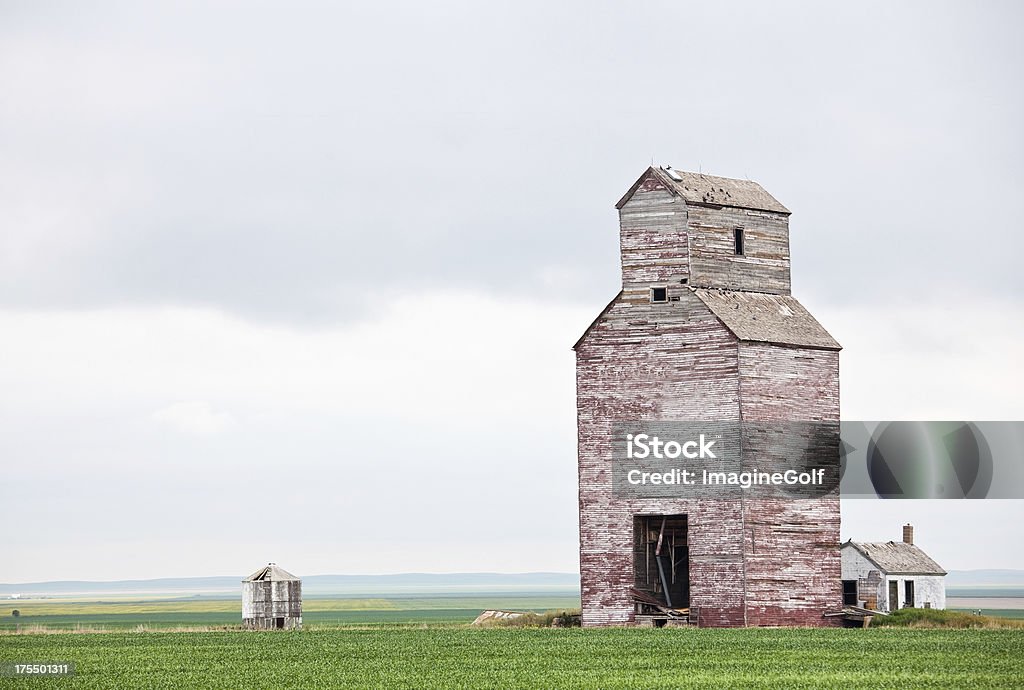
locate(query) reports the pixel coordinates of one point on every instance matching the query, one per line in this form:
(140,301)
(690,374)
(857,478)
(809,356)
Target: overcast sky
(298,282)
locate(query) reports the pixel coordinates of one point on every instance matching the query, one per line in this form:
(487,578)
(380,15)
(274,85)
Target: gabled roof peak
(897,557)
(709,190)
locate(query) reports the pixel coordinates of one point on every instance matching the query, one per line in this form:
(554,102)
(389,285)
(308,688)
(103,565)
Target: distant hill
(313,585)
(974,578)
(404,584)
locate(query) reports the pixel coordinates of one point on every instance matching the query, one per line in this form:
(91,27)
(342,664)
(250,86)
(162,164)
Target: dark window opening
(738,241)
(849,592)
(894,595)
(279,623)
(661,559)
(908,598)
(684,281)
(659,294)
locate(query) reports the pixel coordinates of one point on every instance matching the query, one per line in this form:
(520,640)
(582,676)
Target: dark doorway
(849,592)
(661,558)
(894,595)
(908,594)
(279,623)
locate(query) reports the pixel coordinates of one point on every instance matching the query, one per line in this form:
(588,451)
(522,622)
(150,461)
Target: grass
(936,618)
(531,657)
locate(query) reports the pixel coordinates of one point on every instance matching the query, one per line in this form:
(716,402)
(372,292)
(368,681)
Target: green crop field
(999,613)
(125,613)
(522,657)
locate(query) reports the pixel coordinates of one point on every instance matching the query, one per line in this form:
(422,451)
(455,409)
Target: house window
(849,592)
(738,241)
(908,599)
(659,294)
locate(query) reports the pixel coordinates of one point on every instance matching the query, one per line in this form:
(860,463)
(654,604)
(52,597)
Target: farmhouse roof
(761,317)
(897,557)
(710,190)
(271,572)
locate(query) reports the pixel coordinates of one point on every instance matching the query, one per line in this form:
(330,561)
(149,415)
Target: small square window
(659,294)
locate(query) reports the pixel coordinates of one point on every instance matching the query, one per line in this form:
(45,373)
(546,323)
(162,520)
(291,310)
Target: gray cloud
(303,163)
(298,164)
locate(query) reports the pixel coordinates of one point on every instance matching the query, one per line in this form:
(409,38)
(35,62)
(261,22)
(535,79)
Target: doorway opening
(661,559)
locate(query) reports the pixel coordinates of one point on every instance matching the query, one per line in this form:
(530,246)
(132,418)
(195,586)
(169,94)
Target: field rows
(512,658)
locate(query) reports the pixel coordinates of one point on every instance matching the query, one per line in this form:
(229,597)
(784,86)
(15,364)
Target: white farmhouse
(890,575)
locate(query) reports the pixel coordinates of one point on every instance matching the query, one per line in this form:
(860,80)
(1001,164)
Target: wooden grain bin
(272,599)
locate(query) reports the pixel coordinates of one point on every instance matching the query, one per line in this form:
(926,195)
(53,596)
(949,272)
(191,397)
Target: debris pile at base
(495,615)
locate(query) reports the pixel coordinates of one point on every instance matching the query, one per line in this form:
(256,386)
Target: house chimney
(908,534)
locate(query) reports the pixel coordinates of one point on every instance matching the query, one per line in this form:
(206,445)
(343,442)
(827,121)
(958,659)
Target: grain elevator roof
(711,190)
(767,318)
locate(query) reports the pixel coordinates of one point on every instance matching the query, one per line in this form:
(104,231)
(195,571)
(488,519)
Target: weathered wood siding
(665,240)
(652,236)
(871,585)
(764,265)
(646,361)
(791,563)
(757,564)
(264,601)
